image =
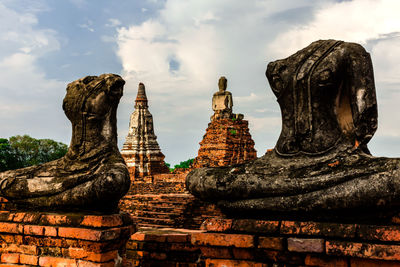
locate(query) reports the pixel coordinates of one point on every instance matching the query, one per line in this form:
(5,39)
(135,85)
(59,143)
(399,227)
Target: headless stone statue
(92,176)
(321,166)
(222,102)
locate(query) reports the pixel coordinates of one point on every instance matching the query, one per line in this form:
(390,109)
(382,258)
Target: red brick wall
(225,242)
(44,239)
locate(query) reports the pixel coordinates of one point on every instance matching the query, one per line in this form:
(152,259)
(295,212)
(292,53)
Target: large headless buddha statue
(321,165)
(92,176)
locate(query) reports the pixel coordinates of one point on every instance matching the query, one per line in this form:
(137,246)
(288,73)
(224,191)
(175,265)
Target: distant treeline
(23,151)
(183,164)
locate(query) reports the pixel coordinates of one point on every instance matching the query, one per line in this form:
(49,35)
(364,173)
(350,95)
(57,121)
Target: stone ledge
(69,220)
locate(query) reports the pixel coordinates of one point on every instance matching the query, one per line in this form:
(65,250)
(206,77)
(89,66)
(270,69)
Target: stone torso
(320,104)
(222,101)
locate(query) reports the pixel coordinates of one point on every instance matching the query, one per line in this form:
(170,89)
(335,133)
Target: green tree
(24,151)
(8,159)
(169,167)
(184,164)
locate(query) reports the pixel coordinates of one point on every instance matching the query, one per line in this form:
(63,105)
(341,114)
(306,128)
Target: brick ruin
(177,229)
(221,241)
(263,243)
(160,199)
(50,239)
(226,142)
(141,151)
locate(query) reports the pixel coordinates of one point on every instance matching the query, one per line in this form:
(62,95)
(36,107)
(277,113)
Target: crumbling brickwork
(162,201)
(44,239)
(249,242)
(226,142)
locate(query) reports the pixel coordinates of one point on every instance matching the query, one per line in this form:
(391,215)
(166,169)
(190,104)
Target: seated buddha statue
(92,176)
(222,101)
(321,165)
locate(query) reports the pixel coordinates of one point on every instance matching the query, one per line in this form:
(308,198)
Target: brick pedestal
(47,239)
(226,142)
(161,201)
(246,242)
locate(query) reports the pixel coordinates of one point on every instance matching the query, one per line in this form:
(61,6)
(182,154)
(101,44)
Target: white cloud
(88,25)
(386,56)
(113,22)
(374,24)
(353,21)
(29,101)
(207,39)
(18,34)
(79,3)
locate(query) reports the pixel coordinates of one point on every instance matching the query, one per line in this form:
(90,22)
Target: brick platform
(162,201)
(226,142)
(168,210)
(226,242)
(162,247)
(46,239)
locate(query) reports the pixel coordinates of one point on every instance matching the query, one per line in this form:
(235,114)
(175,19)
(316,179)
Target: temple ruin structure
(227,140)
(141,151)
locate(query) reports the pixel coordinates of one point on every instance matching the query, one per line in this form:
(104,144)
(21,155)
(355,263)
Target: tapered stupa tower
(141,151)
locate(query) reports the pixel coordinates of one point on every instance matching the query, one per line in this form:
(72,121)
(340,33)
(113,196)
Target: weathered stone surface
(141,151)
(92,176)
(222,103)
(306,245)
(321,166)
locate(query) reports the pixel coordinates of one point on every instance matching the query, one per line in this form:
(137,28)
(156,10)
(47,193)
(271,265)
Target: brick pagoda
(141,151)
(227,140)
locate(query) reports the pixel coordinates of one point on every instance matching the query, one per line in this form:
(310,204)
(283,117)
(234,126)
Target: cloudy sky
(179,49)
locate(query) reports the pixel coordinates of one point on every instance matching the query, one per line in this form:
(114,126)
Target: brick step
(179,210)
(142,226)
(169,209)
(165,203)
(141,220)
(162,209)
(154,214)
(161,196)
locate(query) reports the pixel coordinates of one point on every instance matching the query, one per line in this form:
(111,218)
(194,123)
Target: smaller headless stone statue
(222,102)
(92,176)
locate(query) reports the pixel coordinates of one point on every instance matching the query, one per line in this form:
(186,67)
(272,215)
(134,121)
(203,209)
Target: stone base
(49,239)
(245,242)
